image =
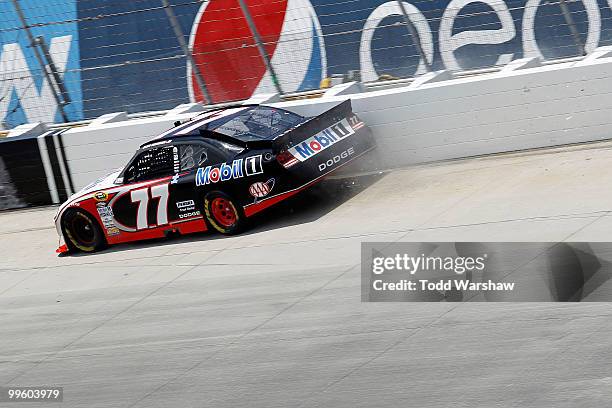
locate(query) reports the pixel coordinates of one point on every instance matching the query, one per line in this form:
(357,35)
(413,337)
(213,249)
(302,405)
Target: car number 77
(142,197)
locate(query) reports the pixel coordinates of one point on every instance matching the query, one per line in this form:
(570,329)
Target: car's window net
(152,164)
(257,123)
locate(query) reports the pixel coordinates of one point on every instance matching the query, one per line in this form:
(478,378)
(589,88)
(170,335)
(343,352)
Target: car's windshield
(255,123)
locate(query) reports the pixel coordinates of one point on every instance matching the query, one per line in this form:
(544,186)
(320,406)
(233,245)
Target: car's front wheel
(81,231)
(223,214)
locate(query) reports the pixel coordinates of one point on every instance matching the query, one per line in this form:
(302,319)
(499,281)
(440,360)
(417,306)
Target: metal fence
(68,60)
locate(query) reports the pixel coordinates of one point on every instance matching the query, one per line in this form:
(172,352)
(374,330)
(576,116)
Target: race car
(213,172)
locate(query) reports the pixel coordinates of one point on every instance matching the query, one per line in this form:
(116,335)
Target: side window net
(151,164)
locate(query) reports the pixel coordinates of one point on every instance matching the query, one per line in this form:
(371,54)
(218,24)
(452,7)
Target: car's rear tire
(223,214)
(81,231)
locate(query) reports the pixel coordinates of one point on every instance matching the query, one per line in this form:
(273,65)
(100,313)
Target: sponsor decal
(175,157)
(190,215)
(175,179)
(106,216)
(261,189)
(113,231)
(184,206)
(337,159)
(322,140)
(100,196)
(239,168)
(105,211)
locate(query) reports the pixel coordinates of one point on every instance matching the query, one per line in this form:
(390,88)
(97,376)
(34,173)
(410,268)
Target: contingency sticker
(322,140)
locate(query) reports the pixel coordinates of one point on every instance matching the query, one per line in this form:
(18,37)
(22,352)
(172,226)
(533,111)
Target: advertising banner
(125,56)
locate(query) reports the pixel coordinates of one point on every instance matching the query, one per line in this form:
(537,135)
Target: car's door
(186,204)
(143,205)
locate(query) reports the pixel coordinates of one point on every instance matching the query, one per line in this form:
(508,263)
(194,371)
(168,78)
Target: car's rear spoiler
(313,126)
(303,131)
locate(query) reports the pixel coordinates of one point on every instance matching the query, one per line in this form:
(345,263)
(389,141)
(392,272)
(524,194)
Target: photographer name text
(441,285)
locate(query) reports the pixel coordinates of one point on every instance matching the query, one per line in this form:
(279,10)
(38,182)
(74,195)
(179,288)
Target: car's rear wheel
(223,214)
(81,231)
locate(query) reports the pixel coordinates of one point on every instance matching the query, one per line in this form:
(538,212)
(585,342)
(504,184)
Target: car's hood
(102,183)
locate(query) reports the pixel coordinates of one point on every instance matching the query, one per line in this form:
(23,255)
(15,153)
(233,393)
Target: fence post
(59,82)
(178,33)
(569,20)
(260,45)
(39,58)
(415,35)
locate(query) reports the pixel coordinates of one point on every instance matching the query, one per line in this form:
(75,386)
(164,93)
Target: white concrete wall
(506,111)
(437,117)
(92,151)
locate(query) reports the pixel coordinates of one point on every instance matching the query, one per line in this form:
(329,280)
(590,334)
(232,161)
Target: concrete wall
(111,140)
(516,109)
(437,117)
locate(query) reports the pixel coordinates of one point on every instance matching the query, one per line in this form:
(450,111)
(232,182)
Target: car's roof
(197,129)
(187,128)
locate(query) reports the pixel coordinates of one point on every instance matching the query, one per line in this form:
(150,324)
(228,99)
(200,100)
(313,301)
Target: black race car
(213,172)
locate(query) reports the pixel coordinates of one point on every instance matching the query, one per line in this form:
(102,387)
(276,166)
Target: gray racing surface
(273,318)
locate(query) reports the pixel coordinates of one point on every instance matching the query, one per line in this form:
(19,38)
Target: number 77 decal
(141,197)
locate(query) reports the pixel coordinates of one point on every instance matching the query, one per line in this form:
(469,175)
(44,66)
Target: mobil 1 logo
(249,166)
(322,140)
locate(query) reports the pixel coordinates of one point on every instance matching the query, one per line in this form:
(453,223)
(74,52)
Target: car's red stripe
(253,209)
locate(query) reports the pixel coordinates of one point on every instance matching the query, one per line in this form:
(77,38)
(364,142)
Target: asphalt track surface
(273,318)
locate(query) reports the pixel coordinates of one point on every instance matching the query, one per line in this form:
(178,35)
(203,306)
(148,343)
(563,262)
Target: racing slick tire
(223,214)
(82,232)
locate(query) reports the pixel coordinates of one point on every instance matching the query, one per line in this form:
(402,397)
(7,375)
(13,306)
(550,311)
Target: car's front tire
(223,214)
(81,231)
